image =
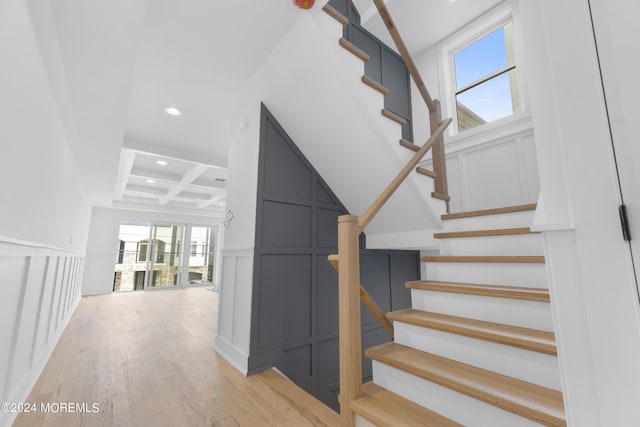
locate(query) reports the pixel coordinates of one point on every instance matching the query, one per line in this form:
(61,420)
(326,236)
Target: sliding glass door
(165,256)
(201,256)
(161,256)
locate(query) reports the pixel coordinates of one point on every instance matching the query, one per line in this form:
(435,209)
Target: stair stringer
(313,86)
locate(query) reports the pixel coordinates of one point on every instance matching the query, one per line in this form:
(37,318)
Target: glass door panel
(132,256)
(201,255)
(165,258)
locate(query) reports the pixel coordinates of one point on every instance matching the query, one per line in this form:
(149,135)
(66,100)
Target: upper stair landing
(314,87)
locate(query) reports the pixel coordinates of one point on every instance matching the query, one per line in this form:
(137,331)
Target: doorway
(616,33)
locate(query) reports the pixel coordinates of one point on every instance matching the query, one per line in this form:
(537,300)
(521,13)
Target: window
(121,245)
(175,255)
(143,249)
(481,74)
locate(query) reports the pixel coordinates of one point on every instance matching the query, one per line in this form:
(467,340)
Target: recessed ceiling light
(172,111)
(151,181)
(162,163)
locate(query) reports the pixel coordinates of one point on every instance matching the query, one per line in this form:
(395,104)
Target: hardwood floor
(147,359)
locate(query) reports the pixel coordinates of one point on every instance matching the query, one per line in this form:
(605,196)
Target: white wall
(44,200)
(103,242)
(45,211)
(593,293)
(234,313)
(427,63)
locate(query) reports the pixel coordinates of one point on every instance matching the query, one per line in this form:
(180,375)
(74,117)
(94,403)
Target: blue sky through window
(480,59)
(490,100)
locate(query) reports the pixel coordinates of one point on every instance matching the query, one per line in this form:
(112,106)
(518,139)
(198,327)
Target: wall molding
(232,354)
(232,339)
(10,246)
(42,293)
(500,129)
(495,168)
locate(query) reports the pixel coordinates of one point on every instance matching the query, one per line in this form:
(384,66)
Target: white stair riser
(428,183)
(510,274)
(537,368)
(517,244)
(527,314)
(490,222)
(458,407)
(362,422)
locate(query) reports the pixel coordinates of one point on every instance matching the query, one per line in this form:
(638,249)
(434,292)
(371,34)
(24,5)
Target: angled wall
(294,323)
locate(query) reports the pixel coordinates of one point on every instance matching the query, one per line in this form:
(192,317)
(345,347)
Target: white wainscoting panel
(40,291)
(234,312)
(493,172)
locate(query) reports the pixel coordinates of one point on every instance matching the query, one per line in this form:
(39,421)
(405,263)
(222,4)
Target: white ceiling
(124,60)
(422,23)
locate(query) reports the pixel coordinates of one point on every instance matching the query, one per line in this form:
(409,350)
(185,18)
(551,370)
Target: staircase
(477,348)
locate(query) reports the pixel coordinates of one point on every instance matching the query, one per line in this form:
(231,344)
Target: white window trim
(468,34)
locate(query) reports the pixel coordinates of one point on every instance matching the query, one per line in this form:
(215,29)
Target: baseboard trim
(231,354)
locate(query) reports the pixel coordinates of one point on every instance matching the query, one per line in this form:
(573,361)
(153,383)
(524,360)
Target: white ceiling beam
(211,184)
(207,214)
(212,201)
(176,153)
(158,176)
(190,176)
(127,158)
(141,189)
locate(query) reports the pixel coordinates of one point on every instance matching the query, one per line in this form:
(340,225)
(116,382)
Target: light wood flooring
(147,359)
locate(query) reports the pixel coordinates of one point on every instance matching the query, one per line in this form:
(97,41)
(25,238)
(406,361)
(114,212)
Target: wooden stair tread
(537,403)
(375,85)
(393,116)
(408,144)
(354,49)
(493,211)
(515,336)
(514,292)
(440,196)
(335,14)
(387,409)
(426,172)
(493,259)
(483,233)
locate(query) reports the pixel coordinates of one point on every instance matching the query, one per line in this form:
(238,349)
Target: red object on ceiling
(304,4)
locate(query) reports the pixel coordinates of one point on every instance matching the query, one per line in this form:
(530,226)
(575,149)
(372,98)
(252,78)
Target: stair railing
(347,261)
(434,106)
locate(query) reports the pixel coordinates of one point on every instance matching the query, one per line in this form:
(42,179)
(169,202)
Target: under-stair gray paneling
(385,65)
(294,324)
(348,9)
(369,44)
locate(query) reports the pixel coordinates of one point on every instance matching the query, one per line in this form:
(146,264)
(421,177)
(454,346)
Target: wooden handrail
(350,290)
(435,115)
(402,175)
(368,301)
(404,53)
